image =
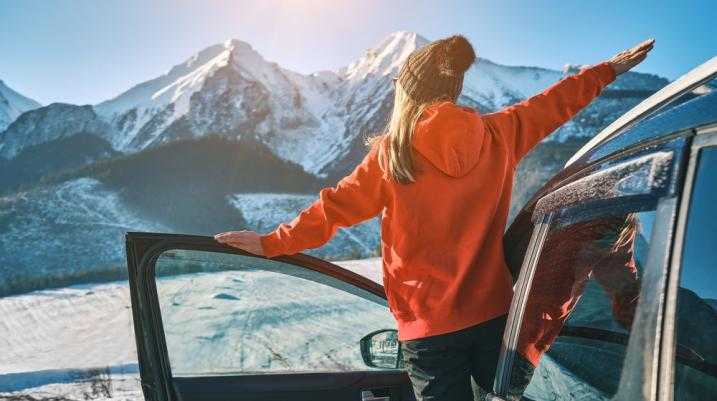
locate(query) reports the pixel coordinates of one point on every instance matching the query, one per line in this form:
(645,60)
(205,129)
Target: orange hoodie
(442,236)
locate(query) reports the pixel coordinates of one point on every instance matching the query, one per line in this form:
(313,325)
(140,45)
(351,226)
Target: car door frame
(703,137)
(665,219)
(143,249)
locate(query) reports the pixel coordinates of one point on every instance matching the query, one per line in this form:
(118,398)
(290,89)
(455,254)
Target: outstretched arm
(357,197)
(526,123)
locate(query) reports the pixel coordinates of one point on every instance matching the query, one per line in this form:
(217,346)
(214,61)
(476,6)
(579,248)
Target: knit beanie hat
(436,70)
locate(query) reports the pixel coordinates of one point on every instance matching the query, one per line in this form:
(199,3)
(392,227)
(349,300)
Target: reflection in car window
(696,351)
(581,304)
(233,314)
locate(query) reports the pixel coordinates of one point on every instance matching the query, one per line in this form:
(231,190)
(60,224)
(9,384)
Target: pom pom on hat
(459,52)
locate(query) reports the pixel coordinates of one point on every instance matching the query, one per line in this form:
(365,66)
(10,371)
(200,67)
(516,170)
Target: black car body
(614,262)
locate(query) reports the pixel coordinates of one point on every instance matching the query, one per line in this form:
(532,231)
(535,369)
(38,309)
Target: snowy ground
(67,342)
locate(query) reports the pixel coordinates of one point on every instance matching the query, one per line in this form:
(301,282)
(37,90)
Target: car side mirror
(380,349)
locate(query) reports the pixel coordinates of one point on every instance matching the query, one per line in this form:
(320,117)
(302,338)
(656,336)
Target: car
(615,295)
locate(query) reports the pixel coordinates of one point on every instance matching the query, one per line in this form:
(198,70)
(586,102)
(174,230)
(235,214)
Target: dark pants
(441,366)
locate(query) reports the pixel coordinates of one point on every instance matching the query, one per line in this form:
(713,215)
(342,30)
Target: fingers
(640,56)
(643,47)
(646,45)
(638,53)
(232,236)
(248,241)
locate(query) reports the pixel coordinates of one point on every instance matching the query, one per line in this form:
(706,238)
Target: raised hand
(626,59)
(244,240)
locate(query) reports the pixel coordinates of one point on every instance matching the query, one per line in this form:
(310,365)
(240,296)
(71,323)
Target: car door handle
(367,395)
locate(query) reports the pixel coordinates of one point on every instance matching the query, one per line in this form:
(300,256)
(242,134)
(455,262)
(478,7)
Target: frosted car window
(581,304)
(231,314)
(696,328)
(642,175)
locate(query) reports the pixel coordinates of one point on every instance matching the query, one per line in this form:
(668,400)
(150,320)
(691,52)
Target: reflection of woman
(602,249)
(440,177)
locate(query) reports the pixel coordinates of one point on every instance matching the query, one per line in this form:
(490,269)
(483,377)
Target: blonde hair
(395,156)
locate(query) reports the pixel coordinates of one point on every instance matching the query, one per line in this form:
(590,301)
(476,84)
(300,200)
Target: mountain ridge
(317,120)
(228,140)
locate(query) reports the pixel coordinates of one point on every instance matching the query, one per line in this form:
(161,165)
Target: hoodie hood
(450,137)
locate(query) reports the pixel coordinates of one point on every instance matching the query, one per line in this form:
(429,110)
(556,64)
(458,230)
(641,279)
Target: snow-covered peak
(171,93)
(230,89)
(12,104)
(386,58)
(181,80)
(149,93)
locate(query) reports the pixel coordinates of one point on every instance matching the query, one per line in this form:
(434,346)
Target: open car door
(215,323)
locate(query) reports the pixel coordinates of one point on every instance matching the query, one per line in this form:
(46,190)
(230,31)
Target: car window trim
(517,307)
(705,137)
(149,322)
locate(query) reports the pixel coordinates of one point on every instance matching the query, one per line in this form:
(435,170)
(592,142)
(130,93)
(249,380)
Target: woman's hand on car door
(245,240)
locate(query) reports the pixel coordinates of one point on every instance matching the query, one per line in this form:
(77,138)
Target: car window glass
(696,323)
(581,303)
(693,108)
(233,314)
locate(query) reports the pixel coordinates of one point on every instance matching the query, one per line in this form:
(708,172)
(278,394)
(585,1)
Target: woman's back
(442,234)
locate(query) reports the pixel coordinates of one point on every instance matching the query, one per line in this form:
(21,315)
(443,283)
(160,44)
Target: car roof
(629,121)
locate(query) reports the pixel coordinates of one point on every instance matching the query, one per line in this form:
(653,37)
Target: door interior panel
(295,387)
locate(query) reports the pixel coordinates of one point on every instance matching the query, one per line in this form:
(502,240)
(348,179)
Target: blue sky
(86,51)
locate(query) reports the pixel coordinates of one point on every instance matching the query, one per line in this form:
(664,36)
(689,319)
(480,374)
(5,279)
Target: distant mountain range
(12,104)
(227,139)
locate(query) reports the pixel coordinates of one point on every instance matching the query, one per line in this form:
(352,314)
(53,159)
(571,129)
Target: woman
(441,178)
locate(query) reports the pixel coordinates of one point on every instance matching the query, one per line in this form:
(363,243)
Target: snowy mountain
(229,140)
(51,139)
(232,91)
(12,104)
(318,121)
(46,124)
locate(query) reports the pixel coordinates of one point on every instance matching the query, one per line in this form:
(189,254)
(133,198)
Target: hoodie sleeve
(356,197)
(526,123)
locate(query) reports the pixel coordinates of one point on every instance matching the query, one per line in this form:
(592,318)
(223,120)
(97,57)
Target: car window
(692,108)
(696,320)
(231,314)
(581,303)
